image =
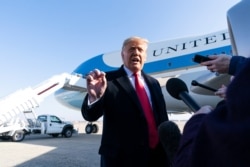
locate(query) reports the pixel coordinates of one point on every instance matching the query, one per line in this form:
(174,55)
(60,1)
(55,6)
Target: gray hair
(134,38)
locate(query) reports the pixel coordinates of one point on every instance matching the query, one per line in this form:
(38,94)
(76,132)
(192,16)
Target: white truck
(17,116)
(43,124)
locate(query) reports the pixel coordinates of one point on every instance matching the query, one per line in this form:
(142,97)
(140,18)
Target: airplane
(165,59)
(173,58)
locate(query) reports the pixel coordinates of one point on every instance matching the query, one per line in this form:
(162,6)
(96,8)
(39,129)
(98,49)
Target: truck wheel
(95,128)
(67,132)
(18,136)
(89,128)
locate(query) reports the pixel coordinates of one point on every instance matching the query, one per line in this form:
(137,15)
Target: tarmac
(81,150)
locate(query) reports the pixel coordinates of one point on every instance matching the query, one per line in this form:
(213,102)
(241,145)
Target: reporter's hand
(219,63)
(221,92)
(204,110)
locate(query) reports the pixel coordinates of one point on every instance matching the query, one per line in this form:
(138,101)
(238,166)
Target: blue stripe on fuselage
(91,64)
(184,61)
(168,64)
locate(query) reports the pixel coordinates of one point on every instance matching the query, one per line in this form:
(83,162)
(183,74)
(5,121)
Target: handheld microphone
(195,83)
(178,89)
(170,135)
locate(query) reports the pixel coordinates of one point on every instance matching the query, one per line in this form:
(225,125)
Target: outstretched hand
(96,84)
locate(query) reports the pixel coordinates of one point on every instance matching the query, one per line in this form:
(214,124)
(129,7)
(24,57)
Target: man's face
(134,55)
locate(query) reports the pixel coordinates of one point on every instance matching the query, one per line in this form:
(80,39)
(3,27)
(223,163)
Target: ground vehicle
(51,125)
(15,106)
(43,124)
(17,115)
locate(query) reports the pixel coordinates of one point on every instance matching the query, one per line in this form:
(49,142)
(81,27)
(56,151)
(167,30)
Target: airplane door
(55,125)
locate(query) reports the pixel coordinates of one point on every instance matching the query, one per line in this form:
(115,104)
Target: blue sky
(40,39)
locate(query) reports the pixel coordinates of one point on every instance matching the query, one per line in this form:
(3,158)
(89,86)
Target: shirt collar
(130,73)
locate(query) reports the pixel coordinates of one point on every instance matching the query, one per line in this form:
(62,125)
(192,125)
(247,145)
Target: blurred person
(220,137)
(129,136)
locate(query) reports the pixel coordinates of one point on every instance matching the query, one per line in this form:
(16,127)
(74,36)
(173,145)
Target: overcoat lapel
(125,83)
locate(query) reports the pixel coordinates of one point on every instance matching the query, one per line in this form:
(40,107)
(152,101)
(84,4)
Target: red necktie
(142,95)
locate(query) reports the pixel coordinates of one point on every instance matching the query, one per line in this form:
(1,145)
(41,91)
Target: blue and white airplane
(165,60)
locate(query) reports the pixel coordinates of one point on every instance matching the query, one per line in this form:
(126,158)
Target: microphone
(169,135)
(178,89)
(195,83)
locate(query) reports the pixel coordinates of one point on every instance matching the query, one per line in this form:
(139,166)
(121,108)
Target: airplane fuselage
(166,59)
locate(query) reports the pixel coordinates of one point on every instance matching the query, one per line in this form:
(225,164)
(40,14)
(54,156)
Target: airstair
(13,106)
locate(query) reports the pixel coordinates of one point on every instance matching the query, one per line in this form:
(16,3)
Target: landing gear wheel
(89,128)
(95,128)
